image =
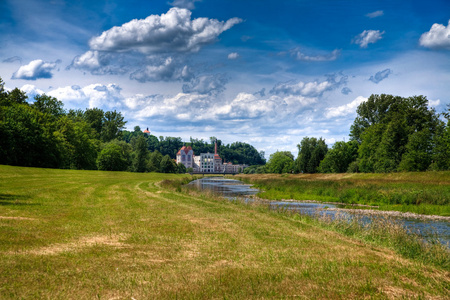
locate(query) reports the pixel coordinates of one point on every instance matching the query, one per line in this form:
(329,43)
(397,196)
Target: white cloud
(35,69)
(379,76)
(299,55)
(375,14)
(94,95)
(437,38)
(368,37)
(167,70)
(31,91)
(173,31)
(308,89)
(189,4)
(207,84)
(344,110)
(434,103)
(233,55)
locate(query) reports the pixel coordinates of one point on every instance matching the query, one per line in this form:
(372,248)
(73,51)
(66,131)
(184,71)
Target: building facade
(206,162)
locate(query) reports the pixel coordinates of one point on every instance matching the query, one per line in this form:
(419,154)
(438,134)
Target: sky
(268,73)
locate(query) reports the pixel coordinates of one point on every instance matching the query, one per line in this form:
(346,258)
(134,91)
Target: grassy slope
(86,234)
(394,191)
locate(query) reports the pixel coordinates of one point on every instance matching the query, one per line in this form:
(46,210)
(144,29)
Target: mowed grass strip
(114,235)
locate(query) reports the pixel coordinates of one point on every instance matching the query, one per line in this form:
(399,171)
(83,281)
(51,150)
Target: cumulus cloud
(12,59)
(94,95)
(308,89)
(437,38)
(35,69)
(173,31)
(368,37)
(379,76)
(207,84)
(188,4)
(299,55)
(375,14)
(344,110)
(31,90)
(233,55)
(167,70)
(434,103)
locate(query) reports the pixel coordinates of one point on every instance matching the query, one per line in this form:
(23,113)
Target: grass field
(68,234)
(419,192)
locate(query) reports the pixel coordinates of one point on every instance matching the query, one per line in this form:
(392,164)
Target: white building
(206,162)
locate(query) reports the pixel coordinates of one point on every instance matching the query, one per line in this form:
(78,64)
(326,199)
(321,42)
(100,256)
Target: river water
(231,189)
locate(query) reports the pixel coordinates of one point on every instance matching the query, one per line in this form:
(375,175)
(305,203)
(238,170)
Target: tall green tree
(112,125)
(140,154)
(168,165)
(114,156)
(280,162)
(154,161)
(311,151)
(339,157)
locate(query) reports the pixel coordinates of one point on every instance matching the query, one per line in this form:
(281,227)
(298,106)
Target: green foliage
(181,169)
(140,154)
(396,134)
(338,159)
(112,126)
(94,117)
(154,162)
(311,151)
(255,169)
(114,157)
(280,162)
(48,105)
(168,165)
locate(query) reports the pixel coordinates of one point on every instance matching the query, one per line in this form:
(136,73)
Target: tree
(311,151)
(112,158)
(94,117)
(339,158)
(181,169)
(48,105)
(280,162)
(112,125)
(168,165)
(417,156)
(154,162)
(140,154)
(441,146)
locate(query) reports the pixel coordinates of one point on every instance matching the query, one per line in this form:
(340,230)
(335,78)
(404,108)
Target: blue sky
(264,72)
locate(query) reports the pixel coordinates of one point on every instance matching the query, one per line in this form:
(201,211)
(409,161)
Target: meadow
(417,192)
(67,234)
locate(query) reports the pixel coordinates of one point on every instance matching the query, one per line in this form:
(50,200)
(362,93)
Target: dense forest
(42,134)
(389,134)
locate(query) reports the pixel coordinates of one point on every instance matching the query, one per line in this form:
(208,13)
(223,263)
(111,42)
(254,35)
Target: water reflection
(231,189)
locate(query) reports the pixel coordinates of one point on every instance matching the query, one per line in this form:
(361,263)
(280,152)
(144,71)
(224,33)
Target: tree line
(43,134)
(389,134)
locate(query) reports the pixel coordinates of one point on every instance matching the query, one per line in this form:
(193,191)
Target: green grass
(424,193)
(68,234)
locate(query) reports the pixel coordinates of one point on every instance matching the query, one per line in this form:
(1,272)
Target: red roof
(146,131)
(185,149)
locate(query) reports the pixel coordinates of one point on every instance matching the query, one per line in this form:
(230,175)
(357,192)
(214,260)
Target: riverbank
(365,210)
(426,193)
(67,234)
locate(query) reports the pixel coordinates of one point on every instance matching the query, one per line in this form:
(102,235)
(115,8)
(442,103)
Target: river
(231,189)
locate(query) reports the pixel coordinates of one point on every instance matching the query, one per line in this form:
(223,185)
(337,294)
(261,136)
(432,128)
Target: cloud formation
(379,76)
(344,110)
(308,89)
(188,4)
(12,59)
(299,55)
(167,70)
(207,84)
(233,55)
(367,37)
(375,14)
(35,69)
(437,38)
(173,31)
